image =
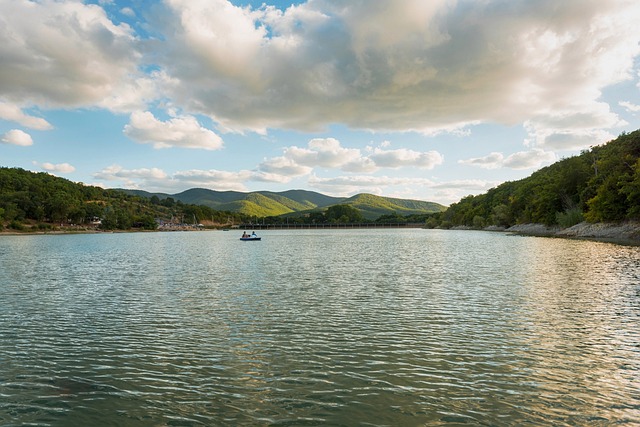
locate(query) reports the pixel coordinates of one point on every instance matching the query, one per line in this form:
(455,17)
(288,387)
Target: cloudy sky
(429,100)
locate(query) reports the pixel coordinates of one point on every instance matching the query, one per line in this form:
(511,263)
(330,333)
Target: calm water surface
(319,327)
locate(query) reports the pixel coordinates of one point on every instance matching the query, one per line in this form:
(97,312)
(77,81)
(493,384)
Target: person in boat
(244,234)
(254,234)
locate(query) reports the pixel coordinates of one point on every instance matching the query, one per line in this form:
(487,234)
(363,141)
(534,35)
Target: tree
(501,215)
(343,214)
(602,183)
(109,219)
(631,190)
(59,206)
(146,222)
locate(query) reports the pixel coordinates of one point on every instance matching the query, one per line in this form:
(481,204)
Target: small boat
(252,236)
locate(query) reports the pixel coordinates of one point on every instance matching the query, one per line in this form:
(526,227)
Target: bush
(16,225)
(432,223)
(478,222)
(569,218)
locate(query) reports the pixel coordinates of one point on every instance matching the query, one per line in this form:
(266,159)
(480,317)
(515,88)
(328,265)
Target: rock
(533,229)
(625,232)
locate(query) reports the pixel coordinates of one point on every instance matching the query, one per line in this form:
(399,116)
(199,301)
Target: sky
(428,100)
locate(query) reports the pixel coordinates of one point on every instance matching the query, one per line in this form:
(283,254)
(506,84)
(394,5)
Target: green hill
(292,202)
(261,205)
(311,197)
(600,185)
(213,199)
(372,206)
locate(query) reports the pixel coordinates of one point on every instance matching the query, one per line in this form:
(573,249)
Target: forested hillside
(599,185)
(40,201)
(297,202)
(46,201)
(256,204)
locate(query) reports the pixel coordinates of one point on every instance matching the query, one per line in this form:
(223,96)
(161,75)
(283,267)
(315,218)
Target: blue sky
(423,100)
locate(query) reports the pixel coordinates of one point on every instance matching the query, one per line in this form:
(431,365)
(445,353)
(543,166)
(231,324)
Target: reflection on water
(318,327)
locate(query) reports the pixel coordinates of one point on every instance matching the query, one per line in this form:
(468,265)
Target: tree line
(599,185)
(43,201)
(340,214)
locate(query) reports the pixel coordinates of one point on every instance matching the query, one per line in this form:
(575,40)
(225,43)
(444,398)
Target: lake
(404,327)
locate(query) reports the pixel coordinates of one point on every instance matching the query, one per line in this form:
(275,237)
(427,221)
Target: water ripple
(410,328)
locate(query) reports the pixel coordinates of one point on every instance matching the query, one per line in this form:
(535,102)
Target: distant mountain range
(267,203)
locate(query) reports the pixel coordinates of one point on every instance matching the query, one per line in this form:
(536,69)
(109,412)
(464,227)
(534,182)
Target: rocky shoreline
(627,233)
(624,232)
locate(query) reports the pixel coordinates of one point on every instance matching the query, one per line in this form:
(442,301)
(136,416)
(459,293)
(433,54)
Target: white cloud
(57,168)
(63,53)
(155,179)
(323,152)
(629,106)
(490,161)
(284,166)
(368,180)
(213,179)
(9,111)
(133,94)
(17,137)
(260,176)
(530,159)
(350,185)
(184,131)
(127,11)
(441,192)
(223,180)
(551,138)
(116,172)
(149,179)
(403,158)
(448,192)
(412,65)
(473,185)
(328,153)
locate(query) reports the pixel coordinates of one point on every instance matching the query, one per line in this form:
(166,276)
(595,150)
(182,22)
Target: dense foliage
(599,185)
(48,201)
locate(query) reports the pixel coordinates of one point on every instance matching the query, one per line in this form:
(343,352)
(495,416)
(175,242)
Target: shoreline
(624,233)
(61,232)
